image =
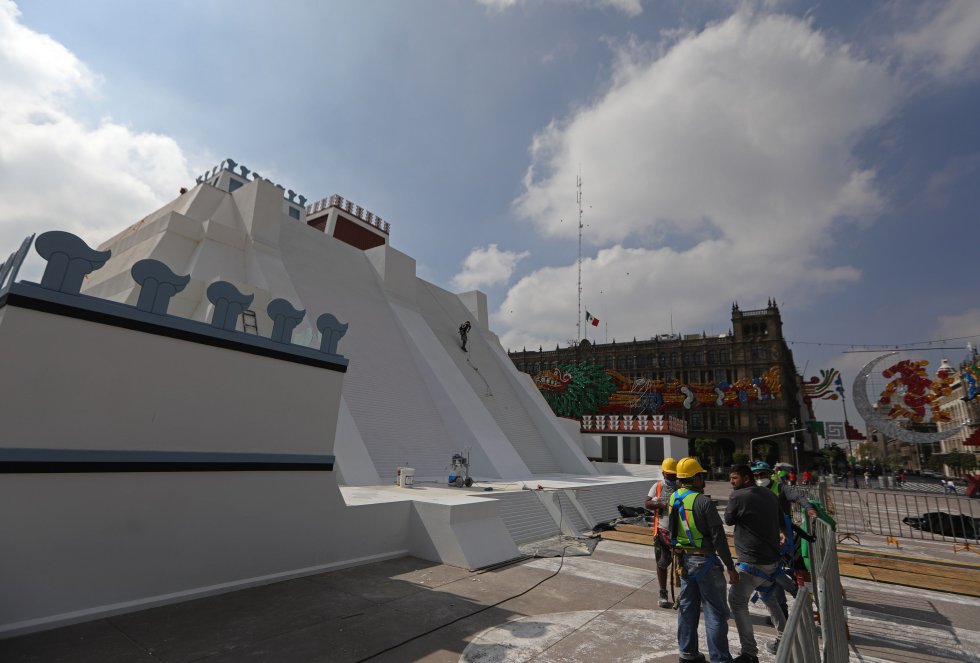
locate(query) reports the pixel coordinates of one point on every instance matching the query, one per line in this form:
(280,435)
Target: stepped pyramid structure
(223,394)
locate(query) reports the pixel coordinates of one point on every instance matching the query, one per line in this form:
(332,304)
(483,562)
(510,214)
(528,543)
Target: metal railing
(830,593)
(799,642)
(930,517)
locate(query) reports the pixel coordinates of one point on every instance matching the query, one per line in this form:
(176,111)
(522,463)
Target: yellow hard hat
(669,465)
(688,467)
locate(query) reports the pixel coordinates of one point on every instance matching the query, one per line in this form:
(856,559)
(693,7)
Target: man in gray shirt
(755,513)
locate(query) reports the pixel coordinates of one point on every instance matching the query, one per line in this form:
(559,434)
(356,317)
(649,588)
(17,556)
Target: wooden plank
(635,529)
(843,550)
(924,582)
(932,570)
(866,570)
(628,537)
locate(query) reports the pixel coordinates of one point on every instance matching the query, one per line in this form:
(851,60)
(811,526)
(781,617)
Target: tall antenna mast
(578,199)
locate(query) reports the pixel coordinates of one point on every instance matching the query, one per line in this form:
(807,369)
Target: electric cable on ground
(561,563)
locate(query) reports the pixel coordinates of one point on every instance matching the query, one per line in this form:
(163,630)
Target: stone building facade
(730,365)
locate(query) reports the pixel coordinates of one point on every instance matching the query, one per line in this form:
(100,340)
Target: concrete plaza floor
(600,607)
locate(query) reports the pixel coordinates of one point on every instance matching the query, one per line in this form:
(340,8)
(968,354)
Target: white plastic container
(406,477)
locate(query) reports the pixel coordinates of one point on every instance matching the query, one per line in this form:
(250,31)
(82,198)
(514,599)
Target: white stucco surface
(95,544)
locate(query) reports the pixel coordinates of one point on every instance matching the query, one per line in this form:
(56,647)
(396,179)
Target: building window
(762,423)
(697,421)
(655,450)
(757,352)
(722,421)
(234,184)
(610,449)
(674,360)
(663,361)
(294,212)
(631,450)
(712,357)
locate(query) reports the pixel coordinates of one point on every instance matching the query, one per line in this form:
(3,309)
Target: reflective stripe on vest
(689,536)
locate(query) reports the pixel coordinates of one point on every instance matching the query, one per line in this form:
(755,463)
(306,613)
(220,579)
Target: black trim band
(82,461)
(84,467)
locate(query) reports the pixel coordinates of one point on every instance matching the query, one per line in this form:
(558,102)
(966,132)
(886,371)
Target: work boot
(772,647)
(746,658)
(699,659)
(664,601)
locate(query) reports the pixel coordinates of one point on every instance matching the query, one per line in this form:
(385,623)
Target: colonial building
(732,388)
(963,407)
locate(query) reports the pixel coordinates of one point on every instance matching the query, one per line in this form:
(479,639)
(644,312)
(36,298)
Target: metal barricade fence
(896,515)
(830,593)
(930,517)
(799,641)
(849,510)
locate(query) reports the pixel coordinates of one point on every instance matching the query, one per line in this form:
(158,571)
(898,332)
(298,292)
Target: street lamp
(765,437)
(796,456)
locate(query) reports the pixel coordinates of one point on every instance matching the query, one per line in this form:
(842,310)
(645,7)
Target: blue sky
(824,154)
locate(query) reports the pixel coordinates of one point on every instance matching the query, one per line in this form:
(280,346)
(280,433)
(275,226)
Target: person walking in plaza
(701,550)
(787,495)
(658,500)
(754,511)
(867,478)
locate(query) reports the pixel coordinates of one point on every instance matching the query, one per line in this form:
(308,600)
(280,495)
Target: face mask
(671,483)
(763,483)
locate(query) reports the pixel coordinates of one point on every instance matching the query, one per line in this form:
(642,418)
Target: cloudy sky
(823,154)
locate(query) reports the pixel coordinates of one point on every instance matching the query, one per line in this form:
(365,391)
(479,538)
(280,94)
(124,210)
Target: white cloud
(628,7)
(487,266)
(736,144)
(965,324)
(948,41)
(57,173)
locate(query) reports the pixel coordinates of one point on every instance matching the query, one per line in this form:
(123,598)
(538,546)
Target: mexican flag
(591,318)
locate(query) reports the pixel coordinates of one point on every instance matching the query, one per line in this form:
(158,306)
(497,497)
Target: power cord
(561,563)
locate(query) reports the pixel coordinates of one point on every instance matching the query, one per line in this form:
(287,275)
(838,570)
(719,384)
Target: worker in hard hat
(787,496)
(658,500)
(702,556)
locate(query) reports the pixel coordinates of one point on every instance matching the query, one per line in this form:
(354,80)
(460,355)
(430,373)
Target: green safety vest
(683,505)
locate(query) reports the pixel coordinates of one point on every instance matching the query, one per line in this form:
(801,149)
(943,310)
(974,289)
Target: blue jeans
(708,592)
(738,598)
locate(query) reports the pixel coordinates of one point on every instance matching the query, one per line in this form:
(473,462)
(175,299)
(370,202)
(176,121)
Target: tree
(954,461)
(763,450)
(969,462)
(740,458)
(834,456)
(707,449)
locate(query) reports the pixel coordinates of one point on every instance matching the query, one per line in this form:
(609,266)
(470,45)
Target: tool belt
(700,552)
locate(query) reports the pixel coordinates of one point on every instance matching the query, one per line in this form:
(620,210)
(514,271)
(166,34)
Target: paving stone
(213,625)
(92,642)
